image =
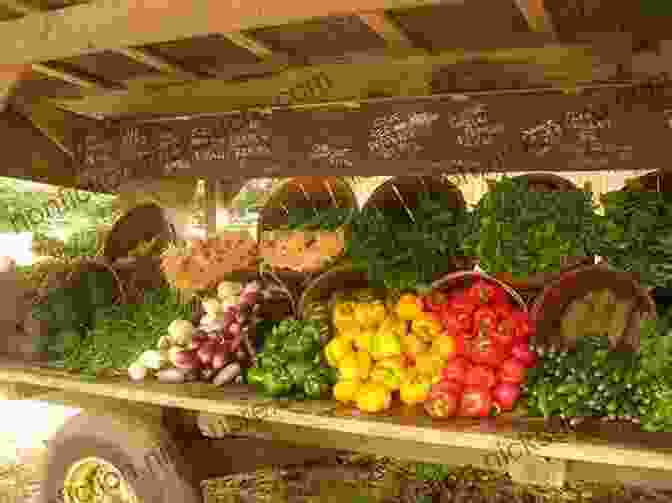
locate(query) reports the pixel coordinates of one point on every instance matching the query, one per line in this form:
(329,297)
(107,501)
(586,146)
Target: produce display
(522,232)
(638,235)
(301,251)
(202,264)
(599,312)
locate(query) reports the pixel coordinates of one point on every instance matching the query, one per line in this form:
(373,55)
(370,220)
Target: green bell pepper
(278,382)
(255,376)
(315,385)
(298,370)
(300,345)
(271,360)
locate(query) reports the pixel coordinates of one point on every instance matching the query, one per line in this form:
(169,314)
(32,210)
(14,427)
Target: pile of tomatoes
(485,374)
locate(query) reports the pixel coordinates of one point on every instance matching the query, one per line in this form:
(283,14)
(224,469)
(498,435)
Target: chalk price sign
(96,487)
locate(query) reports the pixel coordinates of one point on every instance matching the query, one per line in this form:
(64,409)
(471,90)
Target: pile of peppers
(486,372)
(291,362)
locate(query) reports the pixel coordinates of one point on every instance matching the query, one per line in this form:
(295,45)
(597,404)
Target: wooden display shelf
(620,446)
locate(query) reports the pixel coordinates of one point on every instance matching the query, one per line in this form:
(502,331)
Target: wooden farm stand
(100,93)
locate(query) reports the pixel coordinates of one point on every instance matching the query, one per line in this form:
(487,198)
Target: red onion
(249,298)
(236,342)
(186,360)
(206,352)
(524,355)
(234,329)
(506,395)
(220,358)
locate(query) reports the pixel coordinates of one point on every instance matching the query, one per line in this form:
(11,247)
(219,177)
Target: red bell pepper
(462,303)
(480,376)
(455,369)
(481,292)
(482,349)
(512,371)
(450,386)
(476,402)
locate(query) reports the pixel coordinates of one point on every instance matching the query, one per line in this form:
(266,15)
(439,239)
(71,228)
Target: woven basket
(464,279)
(545,182)
(141,224)
(549,307)
(658,181)
(313,193)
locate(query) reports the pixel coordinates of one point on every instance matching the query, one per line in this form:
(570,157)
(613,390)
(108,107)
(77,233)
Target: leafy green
(524,232)
(122,332)
(328,219)
(638,236)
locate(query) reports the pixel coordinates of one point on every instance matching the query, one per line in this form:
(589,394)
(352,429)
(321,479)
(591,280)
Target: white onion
(152,359)
(137,372)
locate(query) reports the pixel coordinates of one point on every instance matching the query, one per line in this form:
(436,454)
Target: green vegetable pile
(120,333)
(328,219)
(402,249)
(638,235)
(522,232)
(70,312)
(291,362)
(589,381)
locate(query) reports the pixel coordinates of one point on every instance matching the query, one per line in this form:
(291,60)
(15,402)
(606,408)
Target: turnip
(137,372)
(506,395)
(181,332)
(524,355)
(212,306)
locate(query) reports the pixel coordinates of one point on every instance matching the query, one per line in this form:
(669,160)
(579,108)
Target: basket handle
(477,271)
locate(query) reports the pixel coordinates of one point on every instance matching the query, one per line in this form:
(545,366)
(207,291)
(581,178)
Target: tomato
(502,310)
(455,321)
(446,386)
(462,303)
(525,325)
(480,376)
(483,349)
(481,292)
(507,332)
(455,370)
(485,318)
(476,402)
(500,297)
(443,404)
(512,371)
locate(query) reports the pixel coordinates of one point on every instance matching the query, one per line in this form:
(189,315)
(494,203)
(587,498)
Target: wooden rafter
(105,25)
(252,45)
(388,30)
(70,77)
(138,55)
(537,16)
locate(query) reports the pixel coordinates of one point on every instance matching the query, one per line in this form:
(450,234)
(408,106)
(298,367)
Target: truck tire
(123,451)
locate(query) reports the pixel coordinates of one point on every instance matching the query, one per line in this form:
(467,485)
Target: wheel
(122,459)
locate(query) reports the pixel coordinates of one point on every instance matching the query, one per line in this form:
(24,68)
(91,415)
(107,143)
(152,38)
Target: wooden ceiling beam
(537,16)
(380,23)
(410,75)
(105,25)
(138,55)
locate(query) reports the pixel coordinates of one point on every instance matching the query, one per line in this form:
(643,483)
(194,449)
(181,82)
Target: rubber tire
(144,451)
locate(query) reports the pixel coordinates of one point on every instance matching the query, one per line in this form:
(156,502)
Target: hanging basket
(307,251)
(658,181)
(142,224)
(551,307)
(402,193)
(545,182)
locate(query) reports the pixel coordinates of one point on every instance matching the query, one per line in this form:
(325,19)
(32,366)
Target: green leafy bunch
(327,219)
(524,232)
(638,234)
(404,248)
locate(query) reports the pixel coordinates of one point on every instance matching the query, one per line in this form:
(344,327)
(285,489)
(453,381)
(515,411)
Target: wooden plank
(69,77)
(387,29)
(401,425)
(154,61)
(478,132)
(111,24)
(252,45)
(407,74)
(32,155)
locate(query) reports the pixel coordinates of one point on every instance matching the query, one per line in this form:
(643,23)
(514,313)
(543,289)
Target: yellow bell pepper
(377,313)
(429,364)
(415,388)
(343,317)
(363,340)
(444,346)
(413,345)
(385,343)
(373,397)
(409,307)
(336,350)
(389,372)
(355,366)
(426,327)
(346,391)
(350,335)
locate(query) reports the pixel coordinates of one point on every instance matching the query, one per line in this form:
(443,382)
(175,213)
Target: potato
(171,376)
(227,374)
